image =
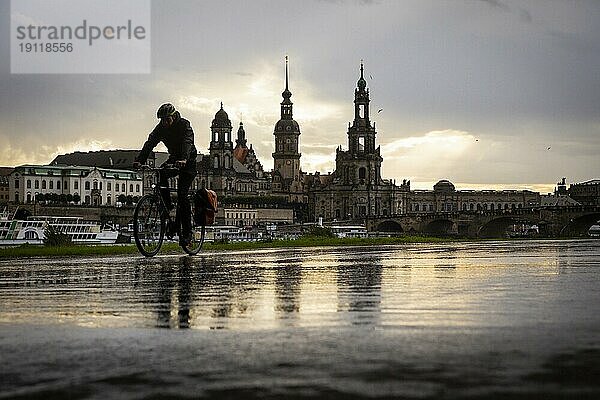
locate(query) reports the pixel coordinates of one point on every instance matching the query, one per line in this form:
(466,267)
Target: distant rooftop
(591,182)
(105,158)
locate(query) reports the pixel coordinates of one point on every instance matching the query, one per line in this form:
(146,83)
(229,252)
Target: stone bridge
(551,221)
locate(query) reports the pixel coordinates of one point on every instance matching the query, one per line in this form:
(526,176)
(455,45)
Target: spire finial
(221,105)
(286,72)
(361,68)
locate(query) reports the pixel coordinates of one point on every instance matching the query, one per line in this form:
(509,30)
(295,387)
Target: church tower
(221,147)
(361,164)
(287,177)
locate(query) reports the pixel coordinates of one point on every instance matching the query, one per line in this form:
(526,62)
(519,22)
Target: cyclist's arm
(187,142)
(153,140)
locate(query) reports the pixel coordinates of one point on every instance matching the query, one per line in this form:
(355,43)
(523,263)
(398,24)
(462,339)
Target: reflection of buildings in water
(163,300)
(359,289)
(228,292)
(287,289)
(445,264)
(185,293)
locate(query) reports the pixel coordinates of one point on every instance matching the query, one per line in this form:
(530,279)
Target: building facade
(93,186)
(445,198)
(356,188)
(587,193)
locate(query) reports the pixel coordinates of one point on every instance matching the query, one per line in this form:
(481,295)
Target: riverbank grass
(173,248)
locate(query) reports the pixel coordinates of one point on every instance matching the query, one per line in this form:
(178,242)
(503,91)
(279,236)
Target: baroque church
(356,189)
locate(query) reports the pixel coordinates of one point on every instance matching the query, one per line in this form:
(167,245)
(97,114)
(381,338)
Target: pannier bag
(205,206)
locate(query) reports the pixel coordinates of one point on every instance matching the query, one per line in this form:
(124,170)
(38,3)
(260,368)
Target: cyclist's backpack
(206,206)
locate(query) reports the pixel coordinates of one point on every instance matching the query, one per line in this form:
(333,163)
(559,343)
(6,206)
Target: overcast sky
(496,93)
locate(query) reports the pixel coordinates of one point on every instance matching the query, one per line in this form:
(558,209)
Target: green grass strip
(173,248)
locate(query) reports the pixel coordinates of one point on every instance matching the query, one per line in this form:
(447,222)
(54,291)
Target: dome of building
(221,119)
(362,84)
(287,125)
(444,186)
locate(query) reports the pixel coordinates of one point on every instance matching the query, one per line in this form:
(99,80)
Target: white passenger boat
(594,230)
(15,232)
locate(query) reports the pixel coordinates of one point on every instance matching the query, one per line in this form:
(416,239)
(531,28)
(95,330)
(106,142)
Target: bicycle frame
(166,226)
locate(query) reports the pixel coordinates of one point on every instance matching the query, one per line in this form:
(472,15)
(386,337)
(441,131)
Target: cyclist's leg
(163,181)
(186,177)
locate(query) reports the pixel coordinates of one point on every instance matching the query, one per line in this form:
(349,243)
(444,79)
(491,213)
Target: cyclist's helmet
(165,110)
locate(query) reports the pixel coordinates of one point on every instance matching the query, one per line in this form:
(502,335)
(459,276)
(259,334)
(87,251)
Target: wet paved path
(465,320)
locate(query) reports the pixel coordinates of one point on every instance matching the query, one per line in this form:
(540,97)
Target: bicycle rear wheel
(198,229)
(148,225)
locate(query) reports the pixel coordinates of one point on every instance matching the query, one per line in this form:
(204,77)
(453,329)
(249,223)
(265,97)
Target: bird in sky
(371,76)
(548,148)
(380,110)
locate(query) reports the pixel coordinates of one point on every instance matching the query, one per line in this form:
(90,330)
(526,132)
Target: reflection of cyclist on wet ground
(177,134)
(166,286)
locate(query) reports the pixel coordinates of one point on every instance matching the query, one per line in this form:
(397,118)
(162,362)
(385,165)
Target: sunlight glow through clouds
(447,142)
(46,153)
(255,100)
(83,145)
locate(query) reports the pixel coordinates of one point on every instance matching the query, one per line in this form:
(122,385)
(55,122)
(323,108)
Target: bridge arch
(390,226)
(439,227)
(495,228)
(579,226)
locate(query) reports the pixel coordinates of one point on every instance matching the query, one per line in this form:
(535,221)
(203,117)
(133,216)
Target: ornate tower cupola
(221,129)
(361,135)
(286,158)
(221,147)
(361,98)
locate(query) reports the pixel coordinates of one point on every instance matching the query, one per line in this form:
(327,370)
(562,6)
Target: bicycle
(152,220)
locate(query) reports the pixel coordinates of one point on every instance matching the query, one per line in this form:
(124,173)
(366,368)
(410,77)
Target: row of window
(361,212)
(290,144)
(86,200)
(467,207)
(240,215)
(221,136)
(96,185)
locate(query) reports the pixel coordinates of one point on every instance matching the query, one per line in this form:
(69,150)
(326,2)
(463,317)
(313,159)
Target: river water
(515,319)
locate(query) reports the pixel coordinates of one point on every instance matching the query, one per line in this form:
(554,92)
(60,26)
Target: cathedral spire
(361,69)
(241,136)
(286,72)
(286,104)
(362,84)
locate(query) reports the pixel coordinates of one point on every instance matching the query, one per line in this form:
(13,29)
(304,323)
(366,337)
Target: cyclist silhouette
(178,136)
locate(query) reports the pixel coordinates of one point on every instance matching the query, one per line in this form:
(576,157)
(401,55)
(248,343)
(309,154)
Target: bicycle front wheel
(148,225)
(198,229)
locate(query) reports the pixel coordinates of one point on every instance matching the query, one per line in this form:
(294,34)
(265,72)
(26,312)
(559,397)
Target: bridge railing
(508,212)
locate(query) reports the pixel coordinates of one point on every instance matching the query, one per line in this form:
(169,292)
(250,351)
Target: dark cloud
(497,4)
(525,15)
